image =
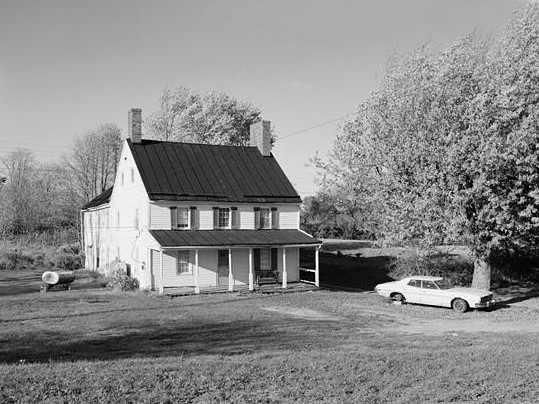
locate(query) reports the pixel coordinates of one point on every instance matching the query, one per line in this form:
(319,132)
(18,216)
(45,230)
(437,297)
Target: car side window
(415,283)
(429,285)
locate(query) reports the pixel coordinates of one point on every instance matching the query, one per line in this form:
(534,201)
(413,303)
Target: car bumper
(486,304)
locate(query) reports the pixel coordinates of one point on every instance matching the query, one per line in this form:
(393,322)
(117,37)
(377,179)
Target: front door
(222,267)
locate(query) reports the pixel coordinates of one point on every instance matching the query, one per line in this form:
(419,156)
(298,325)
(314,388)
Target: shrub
(15,260)
(72,248)
(118,280)
(68,262)
(432,262)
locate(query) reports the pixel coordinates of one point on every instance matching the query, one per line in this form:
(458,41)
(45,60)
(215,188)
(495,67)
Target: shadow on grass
(353,273)
(173,339)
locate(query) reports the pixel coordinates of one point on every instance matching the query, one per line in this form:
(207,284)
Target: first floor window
(183,263)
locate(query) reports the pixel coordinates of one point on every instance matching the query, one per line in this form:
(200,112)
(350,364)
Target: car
(435,291)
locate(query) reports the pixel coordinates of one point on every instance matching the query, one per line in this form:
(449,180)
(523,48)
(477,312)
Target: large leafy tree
(214,118)
(446,150)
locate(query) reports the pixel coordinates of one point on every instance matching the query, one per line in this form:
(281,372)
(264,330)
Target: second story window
(224,218)
(265,221)
(266,218)
(183,218)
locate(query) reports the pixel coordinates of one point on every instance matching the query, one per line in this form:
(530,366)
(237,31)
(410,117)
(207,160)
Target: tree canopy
(445,151)
(213,117)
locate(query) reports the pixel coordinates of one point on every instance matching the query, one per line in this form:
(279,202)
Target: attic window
(132,175)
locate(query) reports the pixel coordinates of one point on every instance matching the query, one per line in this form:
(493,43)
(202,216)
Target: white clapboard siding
(291,264)
(207,261)
(240,266)
(159,216)
(288,217)
(207,267)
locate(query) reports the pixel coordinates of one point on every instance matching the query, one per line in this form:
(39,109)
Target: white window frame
(183,208)
(229,222)
(183,262)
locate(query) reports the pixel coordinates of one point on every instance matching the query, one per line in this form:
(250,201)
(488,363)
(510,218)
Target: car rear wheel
(459,305)
(398,297)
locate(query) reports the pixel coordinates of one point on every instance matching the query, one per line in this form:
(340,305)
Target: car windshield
(444,284)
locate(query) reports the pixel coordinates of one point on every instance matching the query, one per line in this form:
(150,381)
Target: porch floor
(242,289)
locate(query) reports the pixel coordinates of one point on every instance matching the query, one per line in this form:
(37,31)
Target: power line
(297,132)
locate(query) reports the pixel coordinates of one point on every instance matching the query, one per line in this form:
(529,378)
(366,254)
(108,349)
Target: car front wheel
(398,297)
(460,305)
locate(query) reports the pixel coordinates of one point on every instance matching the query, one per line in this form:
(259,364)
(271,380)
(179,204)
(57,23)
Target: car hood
(472,291)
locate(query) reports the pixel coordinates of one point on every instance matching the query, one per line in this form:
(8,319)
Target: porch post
(285,274)
(161,286)
(251,275)
(230,274)
(317,267)
(197,289)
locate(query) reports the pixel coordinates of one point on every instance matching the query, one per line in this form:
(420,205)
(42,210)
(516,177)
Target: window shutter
(215,217)
(274,219)
(235,217)
(194,217)
(173,217)
(257,259)
(257,218)
(274,259)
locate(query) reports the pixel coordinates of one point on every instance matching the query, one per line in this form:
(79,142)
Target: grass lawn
(91,345)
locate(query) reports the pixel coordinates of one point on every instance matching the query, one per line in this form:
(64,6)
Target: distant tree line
(37,197)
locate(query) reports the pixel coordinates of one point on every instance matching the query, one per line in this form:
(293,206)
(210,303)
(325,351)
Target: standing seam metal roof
(211,238)
(187,171)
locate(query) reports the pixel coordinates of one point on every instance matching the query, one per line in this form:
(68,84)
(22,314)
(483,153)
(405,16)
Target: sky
(67,66)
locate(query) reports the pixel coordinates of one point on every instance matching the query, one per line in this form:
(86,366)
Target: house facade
(182,214)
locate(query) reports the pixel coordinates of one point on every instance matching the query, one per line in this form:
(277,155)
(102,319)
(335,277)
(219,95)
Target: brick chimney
(134,125)
(261,137)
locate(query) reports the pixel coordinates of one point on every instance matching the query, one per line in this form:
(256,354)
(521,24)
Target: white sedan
(435,291)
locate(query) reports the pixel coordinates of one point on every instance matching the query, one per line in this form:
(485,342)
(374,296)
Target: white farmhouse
(184,214)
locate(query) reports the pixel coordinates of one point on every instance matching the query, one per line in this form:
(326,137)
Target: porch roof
(221,238)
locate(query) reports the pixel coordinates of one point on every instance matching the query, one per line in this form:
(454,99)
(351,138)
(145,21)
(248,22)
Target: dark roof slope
(206,238)
(100,199)
(186,171)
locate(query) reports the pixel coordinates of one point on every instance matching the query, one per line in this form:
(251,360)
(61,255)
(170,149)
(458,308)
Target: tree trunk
(481,274)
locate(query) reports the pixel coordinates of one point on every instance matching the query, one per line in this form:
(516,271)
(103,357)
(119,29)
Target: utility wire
(297,132)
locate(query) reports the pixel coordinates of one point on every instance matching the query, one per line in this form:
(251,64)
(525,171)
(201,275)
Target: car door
(431,294)
(412,291)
